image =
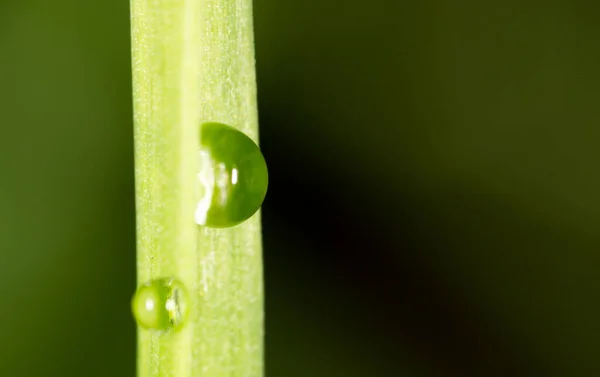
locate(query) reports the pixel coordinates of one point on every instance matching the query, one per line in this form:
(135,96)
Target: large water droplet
(160,304)
(233,177)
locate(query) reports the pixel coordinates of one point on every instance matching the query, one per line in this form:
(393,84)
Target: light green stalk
(193,62)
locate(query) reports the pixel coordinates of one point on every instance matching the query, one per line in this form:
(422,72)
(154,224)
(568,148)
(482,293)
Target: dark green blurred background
(433,208)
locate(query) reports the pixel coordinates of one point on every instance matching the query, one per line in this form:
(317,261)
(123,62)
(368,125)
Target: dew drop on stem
(160,304)
(232,179)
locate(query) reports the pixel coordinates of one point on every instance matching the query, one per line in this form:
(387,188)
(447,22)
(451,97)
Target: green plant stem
(193,62)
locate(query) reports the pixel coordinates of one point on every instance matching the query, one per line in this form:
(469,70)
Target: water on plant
(160,304)
(232,178)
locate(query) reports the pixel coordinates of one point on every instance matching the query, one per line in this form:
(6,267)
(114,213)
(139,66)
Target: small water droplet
(233,177)
(160,304)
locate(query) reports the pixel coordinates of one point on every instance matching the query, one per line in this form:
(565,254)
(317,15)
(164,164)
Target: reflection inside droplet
(149,304)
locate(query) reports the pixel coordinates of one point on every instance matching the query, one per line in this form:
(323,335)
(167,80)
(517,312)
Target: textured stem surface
(193,62)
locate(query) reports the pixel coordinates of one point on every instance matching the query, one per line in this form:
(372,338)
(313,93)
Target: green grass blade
(193,62)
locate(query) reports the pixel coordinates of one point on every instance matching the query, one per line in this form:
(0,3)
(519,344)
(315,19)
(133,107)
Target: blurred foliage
(432,205)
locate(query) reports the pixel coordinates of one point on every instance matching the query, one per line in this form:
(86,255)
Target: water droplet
(160,304)
(233,177)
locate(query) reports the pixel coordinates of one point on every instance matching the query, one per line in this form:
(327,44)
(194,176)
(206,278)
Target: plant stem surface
(193,62)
